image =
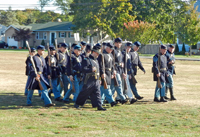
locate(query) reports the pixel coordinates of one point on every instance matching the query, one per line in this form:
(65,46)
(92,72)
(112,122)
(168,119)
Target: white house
(2,32)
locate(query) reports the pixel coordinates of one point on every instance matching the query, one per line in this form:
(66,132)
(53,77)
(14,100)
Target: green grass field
(144,118)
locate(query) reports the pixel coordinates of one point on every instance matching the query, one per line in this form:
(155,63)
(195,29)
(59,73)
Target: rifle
(115,79)
(133,79)
(158,82)
(125,70)
(49,62)
(33,63)
(103,65)
(71,68)
(57,57)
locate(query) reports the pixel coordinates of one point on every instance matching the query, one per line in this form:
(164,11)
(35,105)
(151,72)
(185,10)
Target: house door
(52,38)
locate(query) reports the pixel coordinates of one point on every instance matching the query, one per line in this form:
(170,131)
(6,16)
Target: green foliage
(8,17)
(188,27)
(43,43)
(139,31)
(105,17)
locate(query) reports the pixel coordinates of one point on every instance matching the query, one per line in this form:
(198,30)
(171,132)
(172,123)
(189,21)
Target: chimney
(59,20)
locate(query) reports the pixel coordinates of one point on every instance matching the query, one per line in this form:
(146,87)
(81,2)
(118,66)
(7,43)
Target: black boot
(113,104)
(172,93)
(139,98)
(124,101)
(133,101)
(156,99)
(162,99)
(166,90)
(101,108)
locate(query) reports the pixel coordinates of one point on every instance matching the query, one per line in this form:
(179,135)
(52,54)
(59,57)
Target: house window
(41,35)
(70,35)
(62,34)
(44,35)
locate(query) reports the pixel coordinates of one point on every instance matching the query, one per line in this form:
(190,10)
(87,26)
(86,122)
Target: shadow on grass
(18,101)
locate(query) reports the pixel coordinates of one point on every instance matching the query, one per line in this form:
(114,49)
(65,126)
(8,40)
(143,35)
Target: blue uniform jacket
(87,65)
(28,64)
(41,68)
(171,67)
(76,65)
(118,60)
(128,63)
(108,66)
(135,61)
(64,63)
(52,69)
(163,65)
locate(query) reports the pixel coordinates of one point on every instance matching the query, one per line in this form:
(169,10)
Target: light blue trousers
(44,95)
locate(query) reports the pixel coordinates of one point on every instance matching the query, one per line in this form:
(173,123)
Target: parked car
(3,44)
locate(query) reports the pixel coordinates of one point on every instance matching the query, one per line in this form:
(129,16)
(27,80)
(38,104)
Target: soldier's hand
(103,75)
(37,78)
(71,78)
(144,71)
(124,75)
(94,69)
(158,75)
(114,73)
(112,76)
(171,62)
(130,77)
(49,77)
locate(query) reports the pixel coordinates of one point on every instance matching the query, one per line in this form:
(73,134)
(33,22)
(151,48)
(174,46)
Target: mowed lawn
(144,118)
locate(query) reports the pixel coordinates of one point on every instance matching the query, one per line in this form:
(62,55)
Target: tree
(102,16)
(164,13)
(43,43)
(183,48)
(176,49)
(43,3)
(139,31)
(8,17)
(22,35)
(188,28)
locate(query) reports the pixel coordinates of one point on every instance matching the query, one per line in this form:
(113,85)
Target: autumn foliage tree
(139,31)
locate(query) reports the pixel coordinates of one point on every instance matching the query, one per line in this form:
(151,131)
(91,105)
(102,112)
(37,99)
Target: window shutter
(59,34)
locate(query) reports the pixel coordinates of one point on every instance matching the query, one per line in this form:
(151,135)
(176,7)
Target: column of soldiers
(95,73)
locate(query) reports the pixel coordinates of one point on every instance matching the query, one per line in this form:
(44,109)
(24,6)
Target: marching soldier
(64,66)
(127,72)
(33,83)
(160,73)
(87,51)
(118,68)
(135,61)
(53,72)
(27,72)
(83,46)
(106,68)
(171,71)
(91,85)
(75,74)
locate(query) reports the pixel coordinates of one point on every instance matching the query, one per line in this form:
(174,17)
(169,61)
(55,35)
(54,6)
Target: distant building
(2,32)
